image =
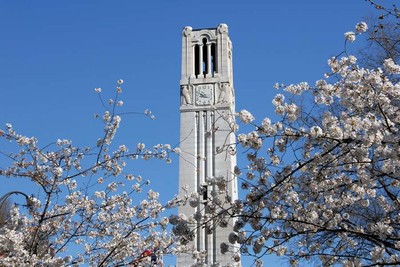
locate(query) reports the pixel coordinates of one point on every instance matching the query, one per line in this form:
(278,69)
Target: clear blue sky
(54,53)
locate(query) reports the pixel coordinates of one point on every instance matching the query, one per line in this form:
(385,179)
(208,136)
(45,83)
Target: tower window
(196,60)
(213,59)
(205,193)
(205,58)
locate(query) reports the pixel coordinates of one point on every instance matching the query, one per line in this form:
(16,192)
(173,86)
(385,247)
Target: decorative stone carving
(223,28)
(187,31)
(185,95)
(223,89)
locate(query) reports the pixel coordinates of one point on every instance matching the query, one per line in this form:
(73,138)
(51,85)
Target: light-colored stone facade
(207,111)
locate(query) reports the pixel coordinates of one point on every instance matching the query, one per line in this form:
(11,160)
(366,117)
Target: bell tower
(207,141)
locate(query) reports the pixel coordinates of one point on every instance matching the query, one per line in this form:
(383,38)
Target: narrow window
(205,57)
(205,193)
(196,60)
(213,60)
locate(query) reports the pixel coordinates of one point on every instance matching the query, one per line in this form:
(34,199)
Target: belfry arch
(205,57)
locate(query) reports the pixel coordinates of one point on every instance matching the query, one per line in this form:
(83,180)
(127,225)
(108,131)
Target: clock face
(204,94)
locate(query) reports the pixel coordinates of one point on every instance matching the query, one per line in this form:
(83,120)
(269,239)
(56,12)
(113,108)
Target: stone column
(209,74)
(200,61)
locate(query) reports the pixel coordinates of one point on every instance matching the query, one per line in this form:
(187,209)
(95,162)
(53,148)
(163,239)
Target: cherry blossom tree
(322,183)
(88,209)
(323,180)
(383,37)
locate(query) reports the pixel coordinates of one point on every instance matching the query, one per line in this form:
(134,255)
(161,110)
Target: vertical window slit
(205,57)
(205,193)
(213,59)
(196,60)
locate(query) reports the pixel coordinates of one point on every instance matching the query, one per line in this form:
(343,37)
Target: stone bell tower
(207,112)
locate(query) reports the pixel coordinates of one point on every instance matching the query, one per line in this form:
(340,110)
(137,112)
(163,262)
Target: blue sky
(54,53)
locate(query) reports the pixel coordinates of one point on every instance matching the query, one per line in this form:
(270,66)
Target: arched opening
(213,60)
(196,60)
(205,58)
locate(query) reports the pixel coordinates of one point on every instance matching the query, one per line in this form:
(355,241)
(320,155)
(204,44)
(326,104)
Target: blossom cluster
(86,211)
(326,187)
